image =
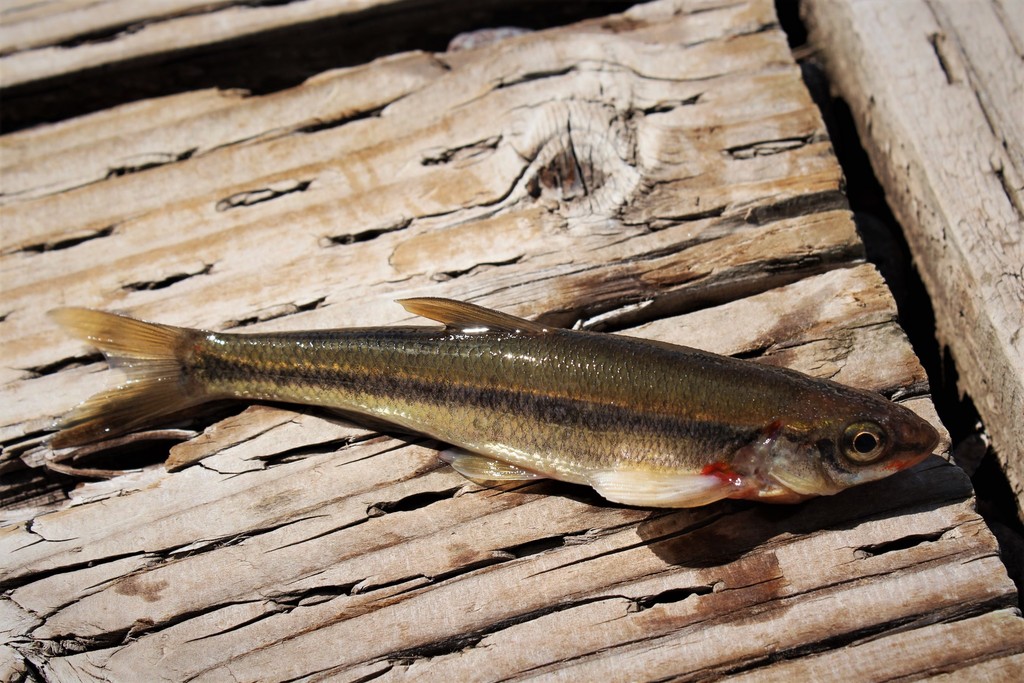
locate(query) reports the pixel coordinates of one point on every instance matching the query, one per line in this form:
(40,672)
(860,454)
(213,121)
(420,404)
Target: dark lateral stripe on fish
(289,382)
(336,360)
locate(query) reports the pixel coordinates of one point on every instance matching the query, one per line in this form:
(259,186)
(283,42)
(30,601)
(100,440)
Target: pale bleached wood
(937,89)
(661,173)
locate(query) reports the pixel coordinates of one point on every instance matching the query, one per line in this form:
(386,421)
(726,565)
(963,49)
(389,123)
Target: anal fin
(483,470)
(659,489)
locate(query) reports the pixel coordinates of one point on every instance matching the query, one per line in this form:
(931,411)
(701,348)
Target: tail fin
(152,355)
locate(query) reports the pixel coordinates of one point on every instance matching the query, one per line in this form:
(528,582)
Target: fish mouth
(918,439)
(904,462)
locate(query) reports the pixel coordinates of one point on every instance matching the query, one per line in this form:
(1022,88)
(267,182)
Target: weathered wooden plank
(937,89)
(661,173)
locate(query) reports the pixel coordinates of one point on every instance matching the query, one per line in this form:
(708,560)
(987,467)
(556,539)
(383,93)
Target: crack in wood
(839,337)
(274,312)
(496,557)
(149,285)
(66,363)
(938,42)
(537,75)
(311,596)
(412,502)
(322,534)
(125,450)
(763,148)
(209,545)
(896,545)
(799,205)
(265,194)
(461,153)
(20,442)
(364,235)
(285,456)
(899,394)
(670,105)
(127,585)
(446,275)
(669,596)
(1013,195)
(146,626)
(22,486)
(64,242)
(328,124)
(153,161)
(755,610)
(277,609)
(671,220)
(467,641)
(8,582)
(710,618)
(542,545)
(364,587)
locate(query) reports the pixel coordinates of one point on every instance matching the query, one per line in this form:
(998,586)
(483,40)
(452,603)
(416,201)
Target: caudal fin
(151,355)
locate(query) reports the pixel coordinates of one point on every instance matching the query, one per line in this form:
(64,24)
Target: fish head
(861,438)
(877,439)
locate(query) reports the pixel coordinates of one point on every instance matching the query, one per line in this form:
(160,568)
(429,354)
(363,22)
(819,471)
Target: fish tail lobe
(154,359)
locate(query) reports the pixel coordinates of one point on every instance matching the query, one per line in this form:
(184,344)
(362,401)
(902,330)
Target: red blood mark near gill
(722,471)
(896,465)
(771,432)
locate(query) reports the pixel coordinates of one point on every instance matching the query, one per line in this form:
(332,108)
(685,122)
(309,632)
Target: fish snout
(914,439)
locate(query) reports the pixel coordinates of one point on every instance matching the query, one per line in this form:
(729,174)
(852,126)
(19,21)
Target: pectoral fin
(659,489)
(482,470)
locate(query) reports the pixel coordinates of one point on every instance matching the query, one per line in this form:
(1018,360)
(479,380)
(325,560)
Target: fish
(645,423)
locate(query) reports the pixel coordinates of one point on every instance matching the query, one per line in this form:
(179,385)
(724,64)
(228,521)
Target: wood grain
(661,173)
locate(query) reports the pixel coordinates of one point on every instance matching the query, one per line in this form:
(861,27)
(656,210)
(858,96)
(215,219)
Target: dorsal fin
(469,317)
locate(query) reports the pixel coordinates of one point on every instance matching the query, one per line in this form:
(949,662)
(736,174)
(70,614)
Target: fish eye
(864,442)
